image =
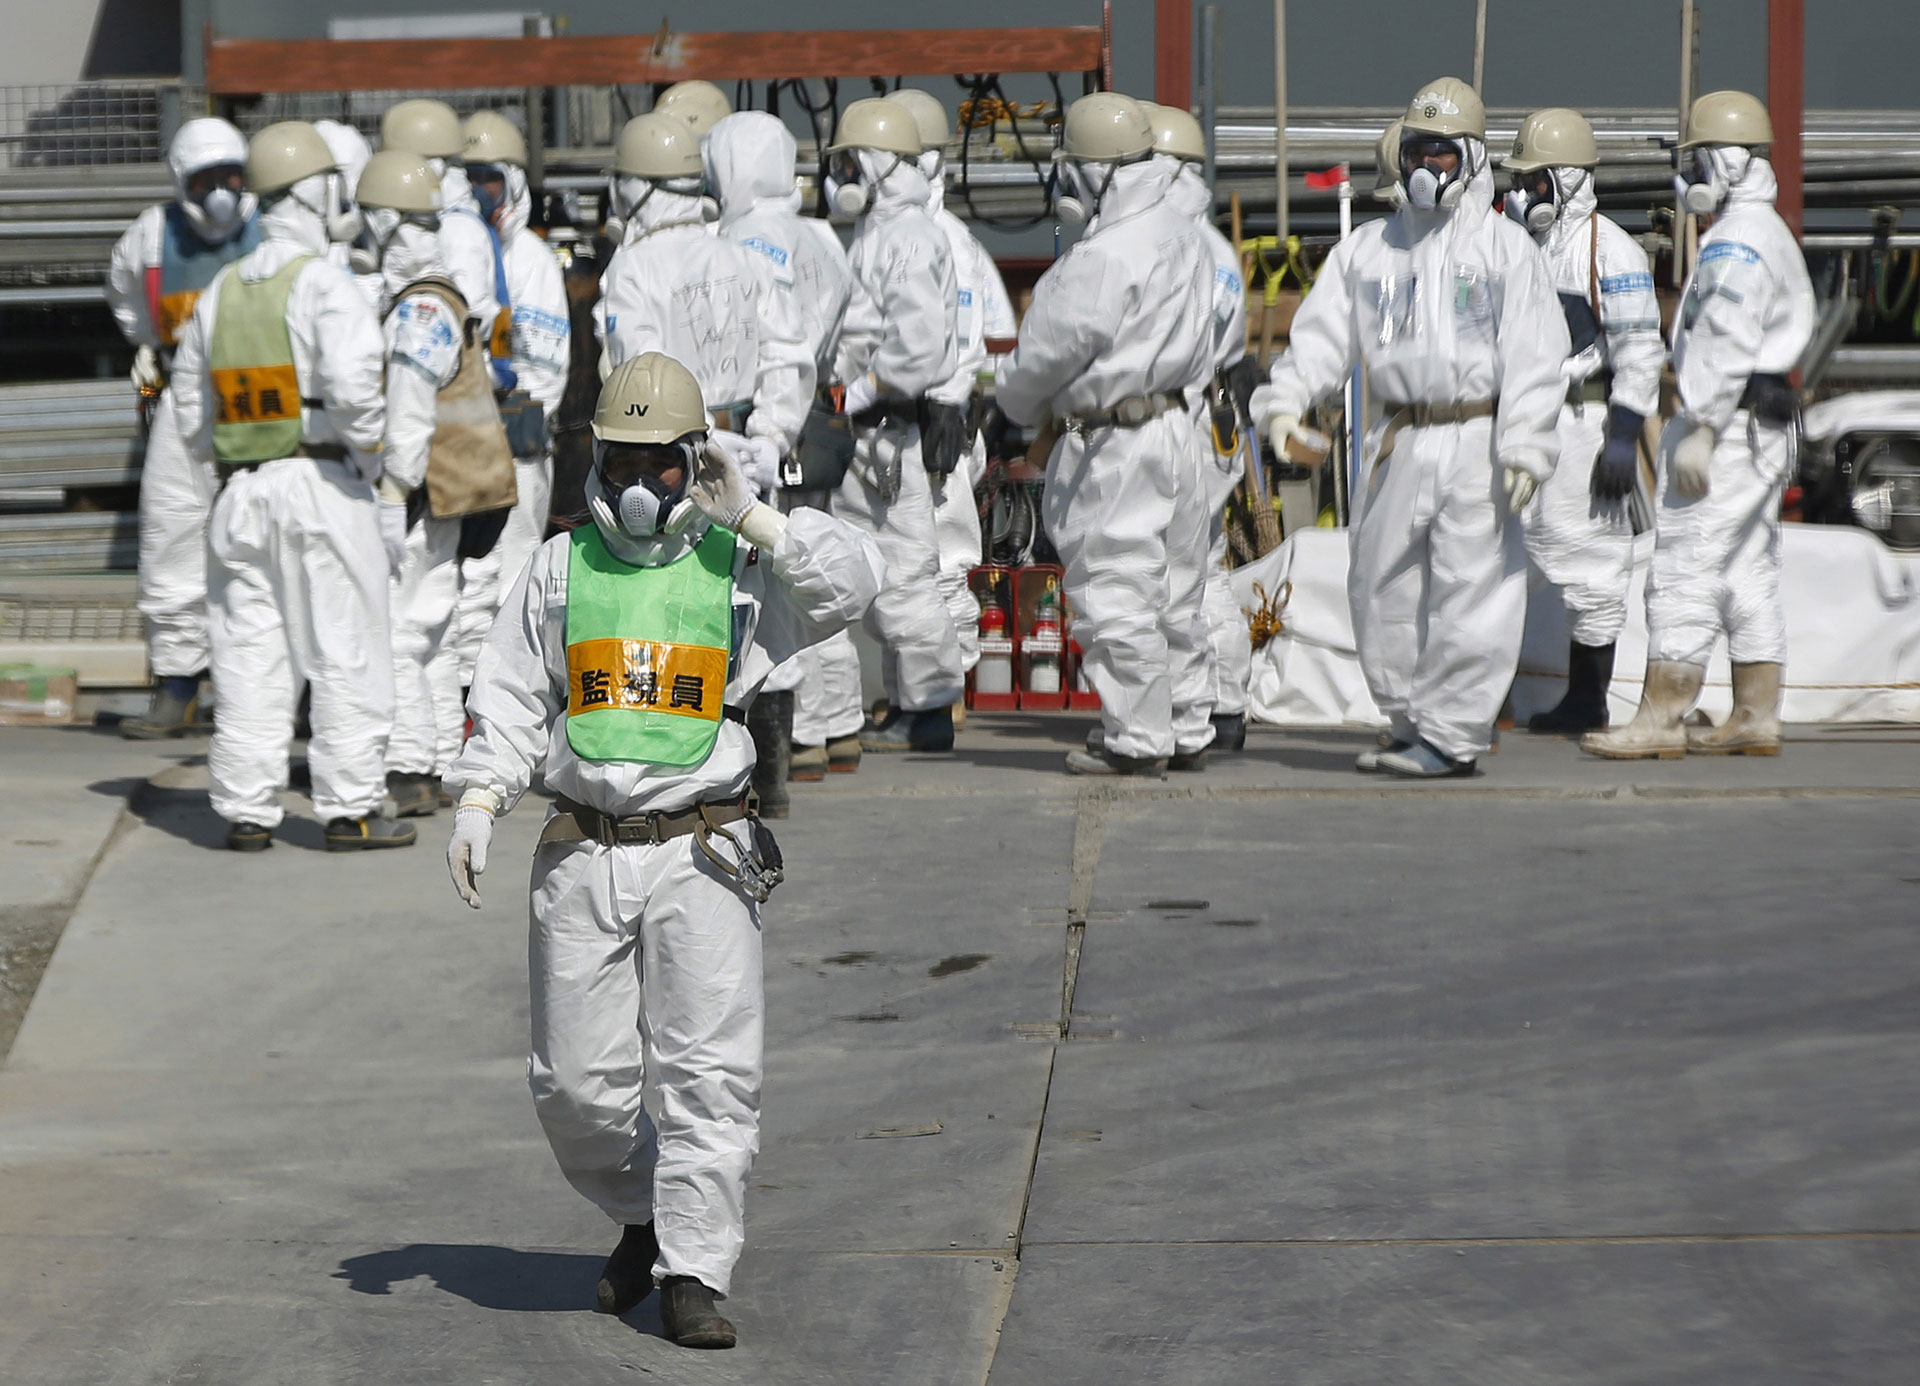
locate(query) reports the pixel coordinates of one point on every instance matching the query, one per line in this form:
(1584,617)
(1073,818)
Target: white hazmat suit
(649,932)
(900,331)
(749,158)
(1127,314)
(1449,311)
(1583,546)
(983,313)
(1229,647)
(1748,310)
(423,357)
(297,574)
(541,357)
(176,489)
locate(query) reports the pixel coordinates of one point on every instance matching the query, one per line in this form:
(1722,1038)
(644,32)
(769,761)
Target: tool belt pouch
(1770,398)
(820,459)
(943,436)
(1224,415)
(526,424)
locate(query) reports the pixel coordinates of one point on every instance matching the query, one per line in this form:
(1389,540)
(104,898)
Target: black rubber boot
(688,1315)
(368,834)
(249,837)
(930,731)
(1584,708)
(414,795)
(1229,732)
(173,712)
(627,1278)
(770,724)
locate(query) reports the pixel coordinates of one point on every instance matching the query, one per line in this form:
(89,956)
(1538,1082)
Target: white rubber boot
(1753,728)
(1657,731)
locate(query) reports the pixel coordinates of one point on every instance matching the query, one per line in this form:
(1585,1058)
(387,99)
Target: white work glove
(762,464)
(719,485)
(467,850)
(1520,488)
(1282,426)
(393,533)
(862,394)
(146,370)
(1692,462)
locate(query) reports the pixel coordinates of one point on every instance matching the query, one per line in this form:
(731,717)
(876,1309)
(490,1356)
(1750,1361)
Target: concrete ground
(1575,1072)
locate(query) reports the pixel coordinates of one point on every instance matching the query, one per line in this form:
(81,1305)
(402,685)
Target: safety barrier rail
(70,434)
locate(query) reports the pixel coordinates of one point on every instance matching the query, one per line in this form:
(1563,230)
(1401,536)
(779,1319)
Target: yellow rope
(1263,620)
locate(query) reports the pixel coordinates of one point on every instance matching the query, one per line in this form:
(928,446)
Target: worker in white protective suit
(1218,402)
(531,346)
(278,380)
(749,159)
(984,331)
(1120,328)
(898,342)
(1578,532)
(672,288)
(619,672)
(1386,167)
(701,105)
(1745,319)
(356,255)
(429,128)
(1469,379)
(157,271)
(399,199)
(749,166)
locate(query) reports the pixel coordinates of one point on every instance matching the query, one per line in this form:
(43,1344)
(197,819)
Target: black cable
(979,87)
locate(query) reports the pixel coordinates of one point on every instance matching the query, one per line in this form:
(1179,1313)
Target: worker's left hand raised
(719,486)
(1520,488)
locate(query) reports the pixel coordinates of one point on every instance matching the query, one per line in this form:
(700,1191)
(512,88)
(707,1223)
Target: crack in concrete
(1091,811)
(1598,1239)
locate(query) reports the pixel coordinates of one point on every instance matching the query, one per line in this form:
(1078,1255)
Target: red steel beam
(248,67)
(1786,103)
(1173,53)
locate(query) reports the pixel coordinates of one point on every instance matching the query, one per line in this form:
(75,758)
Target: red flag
(1329,178)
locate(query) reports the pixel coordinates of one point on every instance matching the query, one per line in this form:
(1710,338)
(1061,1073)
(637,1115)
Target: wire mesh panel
(86,123)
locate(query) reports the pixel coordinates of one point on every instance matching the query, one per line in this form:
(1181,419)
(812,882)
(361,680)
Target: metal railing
(72,434)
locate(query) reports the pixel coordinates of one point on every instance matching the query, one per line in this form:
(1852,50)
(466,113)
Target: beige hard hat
(1446,107)
(1386,160)
(1728,117)
(659,147)
(398,180)
(284,153)
(422,126)
(649,398)
(493,139)
(700,104)
(1553,138)
(1105,127)
(878,122)
(1176,132)
(928,114)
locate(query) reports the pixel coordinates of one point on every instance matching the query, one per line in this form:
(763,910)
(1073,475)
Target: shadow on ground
(493,1277)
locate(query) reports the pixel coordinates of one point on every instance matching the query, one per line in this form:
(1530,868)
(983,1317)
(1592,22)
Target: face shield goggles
(626,483)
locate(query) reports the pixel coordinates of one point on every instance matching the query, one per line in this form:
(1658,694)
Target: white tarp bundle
(1853,636)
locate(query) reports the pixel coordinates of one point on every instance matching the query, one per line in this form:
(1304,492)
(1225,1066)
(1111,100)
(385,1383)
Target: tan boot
(1753,728)
(1657,731)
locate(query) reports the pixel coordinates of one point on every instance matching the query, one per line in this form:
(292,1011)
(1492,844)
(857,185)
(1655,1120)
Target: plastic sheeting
(1853,636)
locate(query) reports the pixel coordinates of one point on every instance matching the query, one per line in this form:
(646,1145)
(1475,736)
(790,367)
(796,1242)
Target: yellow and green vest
(255,387)
(648,651)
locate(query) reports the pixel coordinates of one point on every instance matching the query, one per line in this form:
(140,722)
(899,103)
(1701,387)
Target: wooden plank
(246,67)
